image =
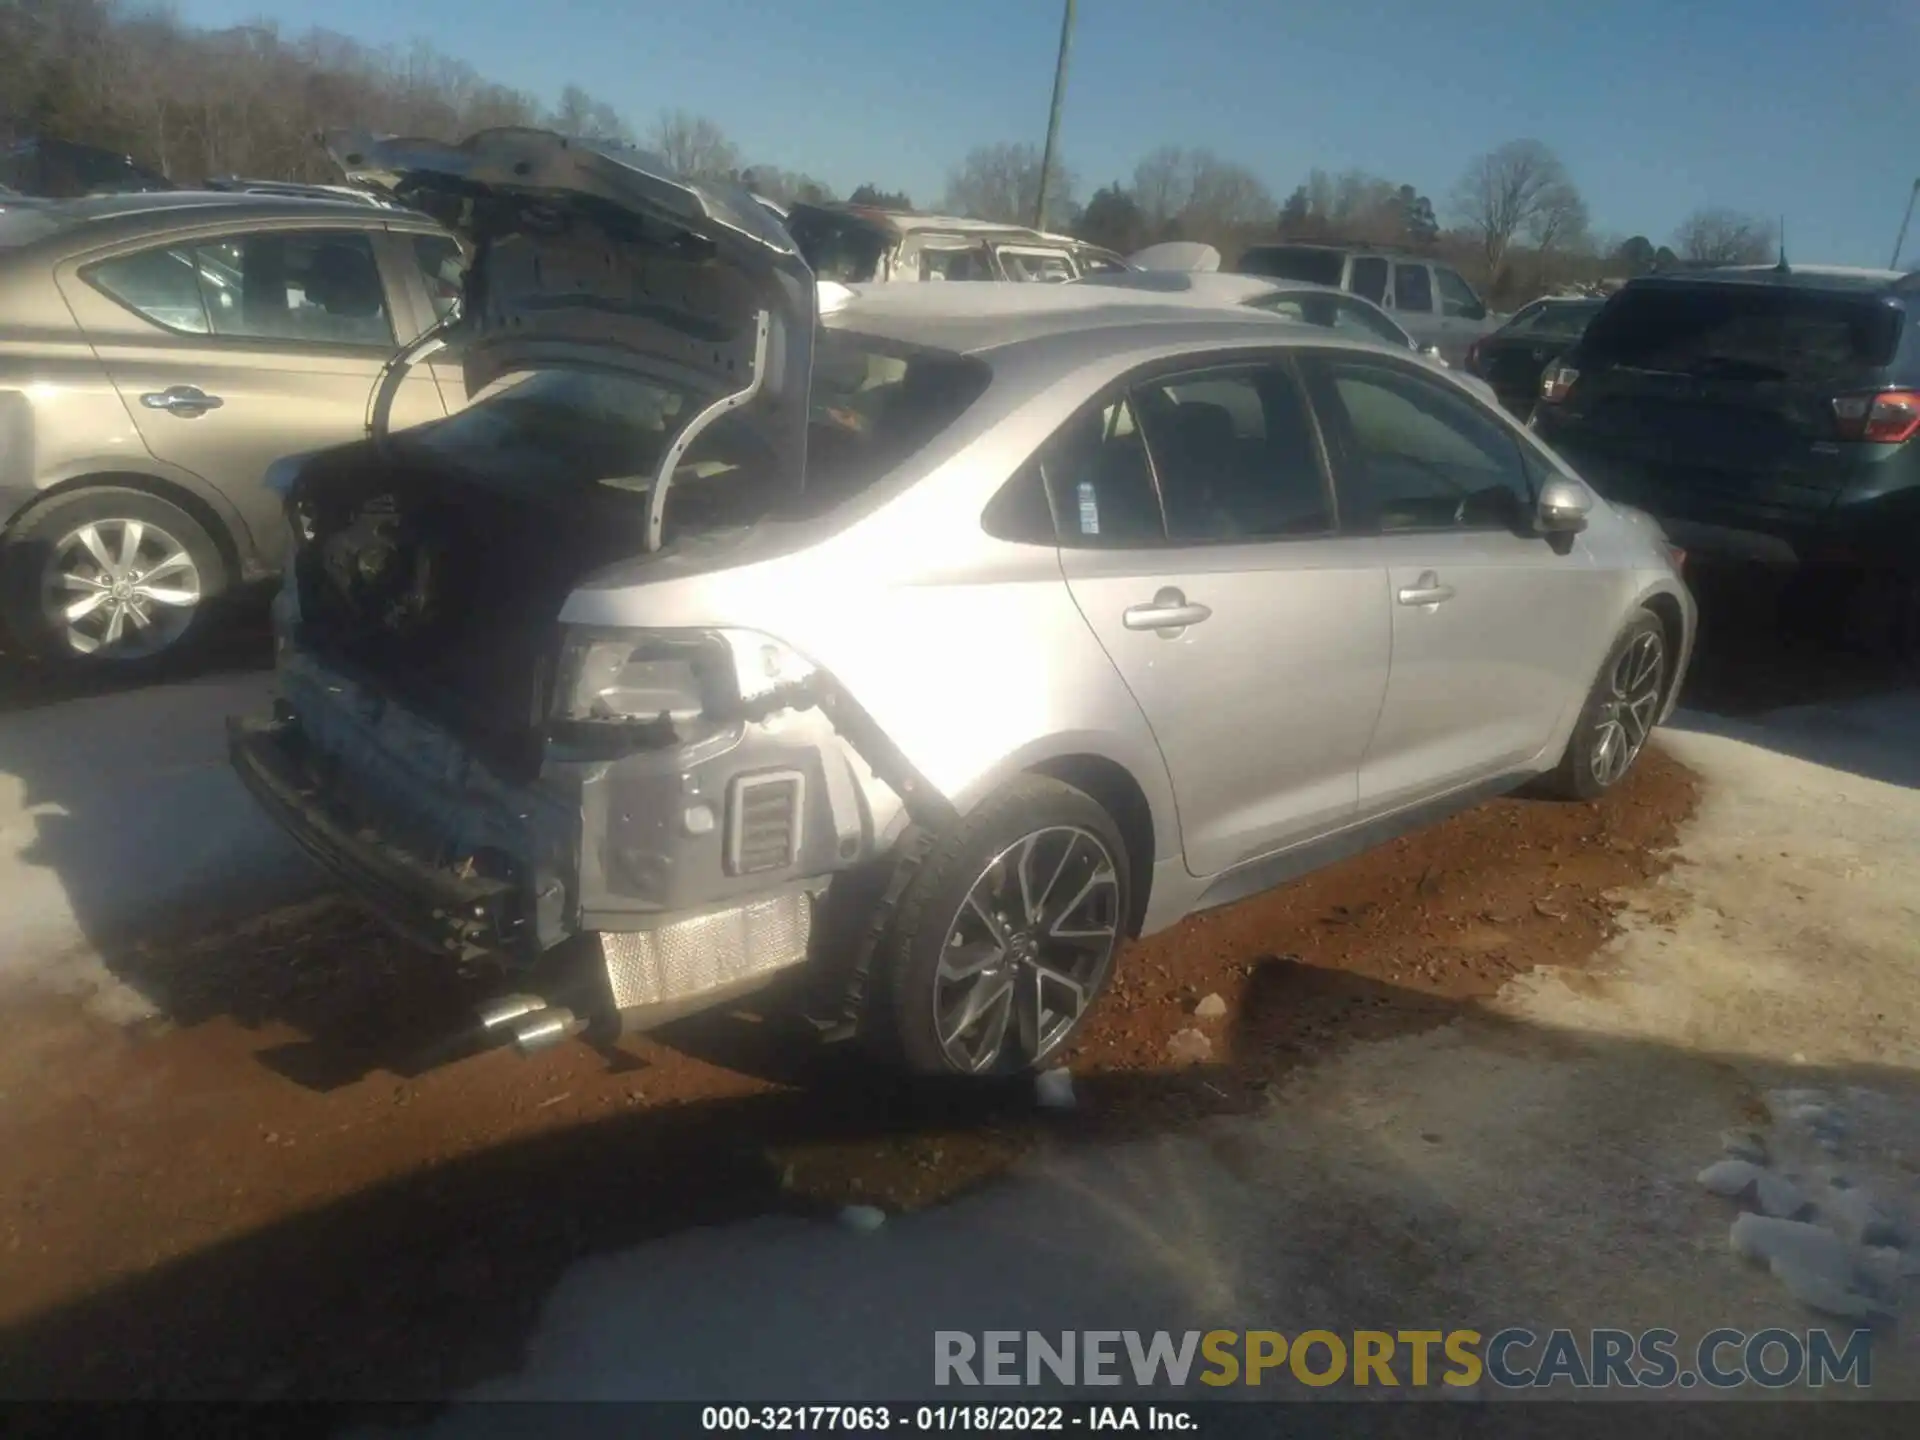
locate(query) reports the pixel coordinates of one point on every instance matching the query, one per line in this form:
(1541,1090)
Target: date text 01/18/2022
(935,1419)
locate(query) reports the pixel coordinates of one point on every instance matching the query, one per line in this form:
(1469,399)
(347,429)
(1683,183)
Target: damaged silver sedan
(918,653)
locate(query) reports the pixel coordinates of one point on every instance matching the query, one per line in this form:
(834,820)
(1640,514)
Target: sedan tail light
(1473,358)
(1556,381)
(1888,418)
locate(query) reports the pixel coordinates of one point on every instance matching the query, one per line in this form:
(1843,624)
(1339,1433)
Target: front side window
(1049,267)
(318,287)
(1370,278)
(1427,457)
(1236,455)
(1456,296)
(968,263)
(1413,288)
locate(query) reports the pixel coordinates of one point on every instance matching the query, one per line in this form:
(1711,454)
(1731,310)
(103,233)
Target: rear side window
(1413,288)
(443,269)
(1555,322)
(1293,262)
(318,287)
(1744,332)
(1370,278)
(1099,481)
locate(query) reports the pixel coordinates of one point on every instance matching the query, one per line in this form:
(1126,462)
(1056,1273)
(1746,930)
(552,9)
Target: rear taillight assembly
(1473,358)
(1891,417)
(1556,382)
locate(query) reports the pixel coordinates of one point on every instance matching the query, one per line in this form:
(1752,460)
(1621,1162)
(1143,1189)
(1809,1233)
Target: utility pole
(1901,243)
(1053,120)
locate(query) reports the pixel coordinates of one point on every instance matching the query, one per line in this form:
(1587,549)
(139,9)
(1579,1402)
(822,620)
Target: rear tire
(110,580)
(1618,715)
(1006,938)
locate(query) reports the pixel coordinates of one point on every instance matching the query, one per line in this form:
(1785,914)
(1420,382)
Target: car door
(1495,628)
(1463,314)
(232,348)
(1412,303)
(1199,539)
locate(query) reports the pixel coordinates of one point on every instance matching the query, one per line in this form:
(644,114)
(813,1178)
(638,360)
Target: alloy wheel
(1027,951)
(1627,712)
(123,589)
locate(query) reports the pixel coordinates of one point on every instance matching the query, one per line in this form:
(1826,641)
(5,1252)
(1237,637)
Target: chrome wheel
(1629,708)
(123,589)
(1027,951)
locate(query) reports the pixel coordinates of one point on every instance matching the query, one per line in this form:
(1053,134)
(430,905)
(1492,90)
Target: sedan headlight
(686,679)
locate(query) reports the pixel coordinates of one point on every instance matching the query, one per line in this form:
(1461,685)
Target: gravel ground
(294,1184)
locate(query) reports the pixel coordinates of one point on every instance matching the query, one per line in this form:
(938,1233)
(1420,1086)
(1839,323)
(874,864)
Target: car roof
(96,219)
(1802,277)
(1199,286)
(1333,247)
(972,317)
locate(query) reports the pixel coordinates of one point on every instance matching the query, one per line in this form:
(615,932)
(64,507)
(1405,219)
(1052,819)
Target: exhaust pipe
(509,1008)
(545,1028)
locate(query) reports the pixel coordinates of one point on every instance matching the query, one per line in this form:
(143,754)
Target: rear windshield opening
(1750,333)
(870,411)
(1293,262)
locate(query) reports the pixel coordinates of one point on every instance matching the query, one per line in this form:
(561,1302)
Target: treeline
(196,104)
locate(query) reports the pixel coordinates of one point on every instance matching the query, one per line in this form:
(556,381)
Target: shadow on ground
(432,1283)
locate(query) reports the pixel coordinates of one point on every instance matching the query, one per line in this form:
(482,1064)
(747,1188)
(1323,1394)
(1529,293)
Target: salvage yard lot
(286,1183)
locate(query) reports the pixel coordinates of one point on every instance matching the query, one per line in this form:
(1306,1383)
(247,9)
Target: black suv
(1760,414)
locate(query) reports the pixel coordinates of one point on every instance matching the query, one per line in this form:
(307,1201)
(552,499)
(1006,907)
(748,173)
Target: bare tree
(1724,237)
(1197,195)
(1519,188)
(786,186)
(1002,182)
(693,145)
(580,114)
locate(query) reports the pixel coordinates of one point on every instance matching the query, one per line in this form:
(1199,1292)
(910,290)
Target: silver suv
(1431,301)
(921,653)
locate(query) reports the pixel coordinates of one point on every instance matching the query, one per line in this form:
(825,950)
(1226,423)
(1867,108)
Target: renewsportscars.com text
(1513,1358)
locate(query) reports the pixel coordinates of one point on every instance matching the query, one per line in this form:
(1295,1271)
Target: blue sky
(1772,106)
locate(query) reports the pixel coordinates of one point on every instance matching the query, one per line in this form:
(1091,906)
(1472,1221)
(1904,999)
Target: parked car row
(855,244)
(919,651)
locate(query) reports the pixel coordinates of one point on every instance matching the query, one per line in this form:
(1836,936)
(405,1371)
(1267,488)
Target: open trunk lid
(591,254)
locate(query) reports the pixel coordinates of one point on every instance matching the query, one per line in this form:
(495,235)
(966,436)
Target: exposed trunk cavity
(448,593)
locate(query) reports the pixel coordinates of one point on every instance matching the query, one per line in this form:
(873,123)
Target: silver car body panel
(1307,717)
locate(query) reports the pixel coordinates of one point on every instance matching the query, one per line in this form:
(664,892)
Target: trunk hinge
(393,374)
(726,404)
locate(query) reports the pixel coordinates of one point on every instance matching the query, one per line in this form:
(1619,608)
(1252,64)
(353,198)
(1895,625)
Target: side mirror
(1564,506)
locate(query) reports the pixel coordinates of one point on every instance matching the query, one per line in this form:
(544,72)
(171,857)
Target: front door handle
(1169,613)
(1427,590)
(186,401)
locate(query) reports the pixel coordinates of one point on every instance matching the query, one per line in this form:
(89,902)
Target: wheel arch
(1672,615)
(208,508)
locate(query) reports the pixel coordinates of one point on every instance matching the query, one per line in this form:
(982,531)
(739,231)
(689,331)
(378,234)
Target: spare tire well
(1115,790)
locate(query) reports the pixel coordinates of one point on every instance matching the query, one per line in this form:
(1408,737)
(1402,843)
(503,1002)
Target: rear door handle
(183,400)
(1169,613)
(1427,590)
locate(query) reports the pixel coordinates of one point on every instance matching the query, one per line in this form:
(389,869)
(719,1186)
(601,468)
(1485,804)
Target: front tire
(109,578)
(1006,937)
(1619,713)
